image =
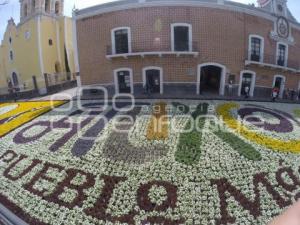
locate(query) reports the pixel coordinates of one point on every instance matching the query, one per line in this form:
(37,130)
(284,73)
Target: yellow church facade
(40,46)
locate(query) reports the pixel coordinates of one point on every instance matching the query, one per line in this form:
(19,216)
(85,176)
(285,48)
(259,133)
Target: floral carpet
(157,162)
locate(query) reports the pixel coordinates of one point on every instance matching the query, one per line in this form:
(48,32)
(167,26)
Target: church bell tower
(31,8)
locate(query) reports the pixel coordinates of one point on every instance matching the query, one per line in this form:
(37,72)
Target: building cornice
(40,14)
(124,5)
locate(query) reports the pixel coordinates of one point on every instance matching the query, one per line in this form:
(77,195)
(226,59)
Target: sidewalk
(63,95)
(74,94)
(193,97)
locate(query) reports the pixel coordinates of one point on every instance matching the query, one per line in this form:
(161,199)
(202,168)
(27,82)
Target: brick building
(189,47)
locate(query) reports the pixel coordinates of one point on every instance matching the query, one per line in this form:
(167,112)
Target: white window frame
(282,84)
(173,25)
(286,57)
(116,79)
(262,47)
(161,76)
(253,81)
(113,41)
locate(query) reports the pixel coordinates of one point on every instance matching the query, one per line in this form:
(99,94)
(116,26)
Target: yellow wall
(2,74)
(27,61)
(50,53)
(25,52)
(69,43)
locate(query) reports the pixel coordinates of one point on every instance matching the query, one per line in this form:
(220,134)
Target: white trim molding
(190,33)
(282,85)
(113,41)
(275,66)
(222,80)
(253,80)
(155,53)
(75,44)
(41,61)
(286,57)
(161,75)
(58,47)
(262,47)
(116,83)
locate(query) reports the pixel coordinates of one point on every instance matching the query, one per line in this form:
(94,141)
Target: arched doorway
(247,79)
(211,78)
(279,82)
(123,81)
(153,79)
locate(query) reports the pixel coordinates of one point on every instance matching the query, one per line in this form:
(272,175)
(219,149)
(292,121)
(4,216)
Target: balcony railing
(274,61)
(155,48)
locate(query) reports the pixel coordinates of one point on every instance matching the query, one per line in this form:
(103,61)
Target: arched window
(11,55)
(15,79)
(47,6)
(57,8)
(33,6)
(25,10)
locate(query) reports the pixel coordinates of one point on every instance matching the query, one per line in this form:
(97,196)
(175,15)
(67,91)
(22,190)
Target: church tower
(31,8)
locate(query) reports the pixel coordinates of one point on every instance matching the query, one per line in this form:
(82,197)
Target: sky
(12,9)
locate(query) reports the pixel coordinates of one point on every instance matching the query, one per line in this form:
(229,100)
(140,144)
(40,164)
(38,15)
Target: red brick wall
(221,36)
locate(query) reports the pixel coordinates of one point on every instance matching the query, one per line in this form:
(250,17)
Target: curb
(195,98)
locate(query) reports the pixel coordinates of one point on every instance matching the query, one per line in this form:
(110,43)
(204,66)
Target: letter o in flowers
(223,111)
(284,125)
(146,204)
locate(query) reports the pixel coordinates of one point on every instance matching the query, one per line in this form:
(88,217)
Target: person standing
(286,94)
(230,87)
(247,89)
(274,94)
(12,90)
(292,94)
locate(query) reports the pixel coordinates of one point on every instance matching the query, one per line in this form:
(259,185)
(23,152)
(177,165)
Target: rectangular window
(256,49)
(121,41)
(181,38)
(11,55)
(281,55)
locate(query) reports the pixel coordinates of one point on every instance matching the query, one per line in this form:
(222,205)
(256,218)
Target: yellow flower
(20,113)
(158,125)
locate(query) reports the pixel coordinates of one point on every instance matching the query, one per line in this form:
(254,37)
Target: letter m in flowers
(252,205)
